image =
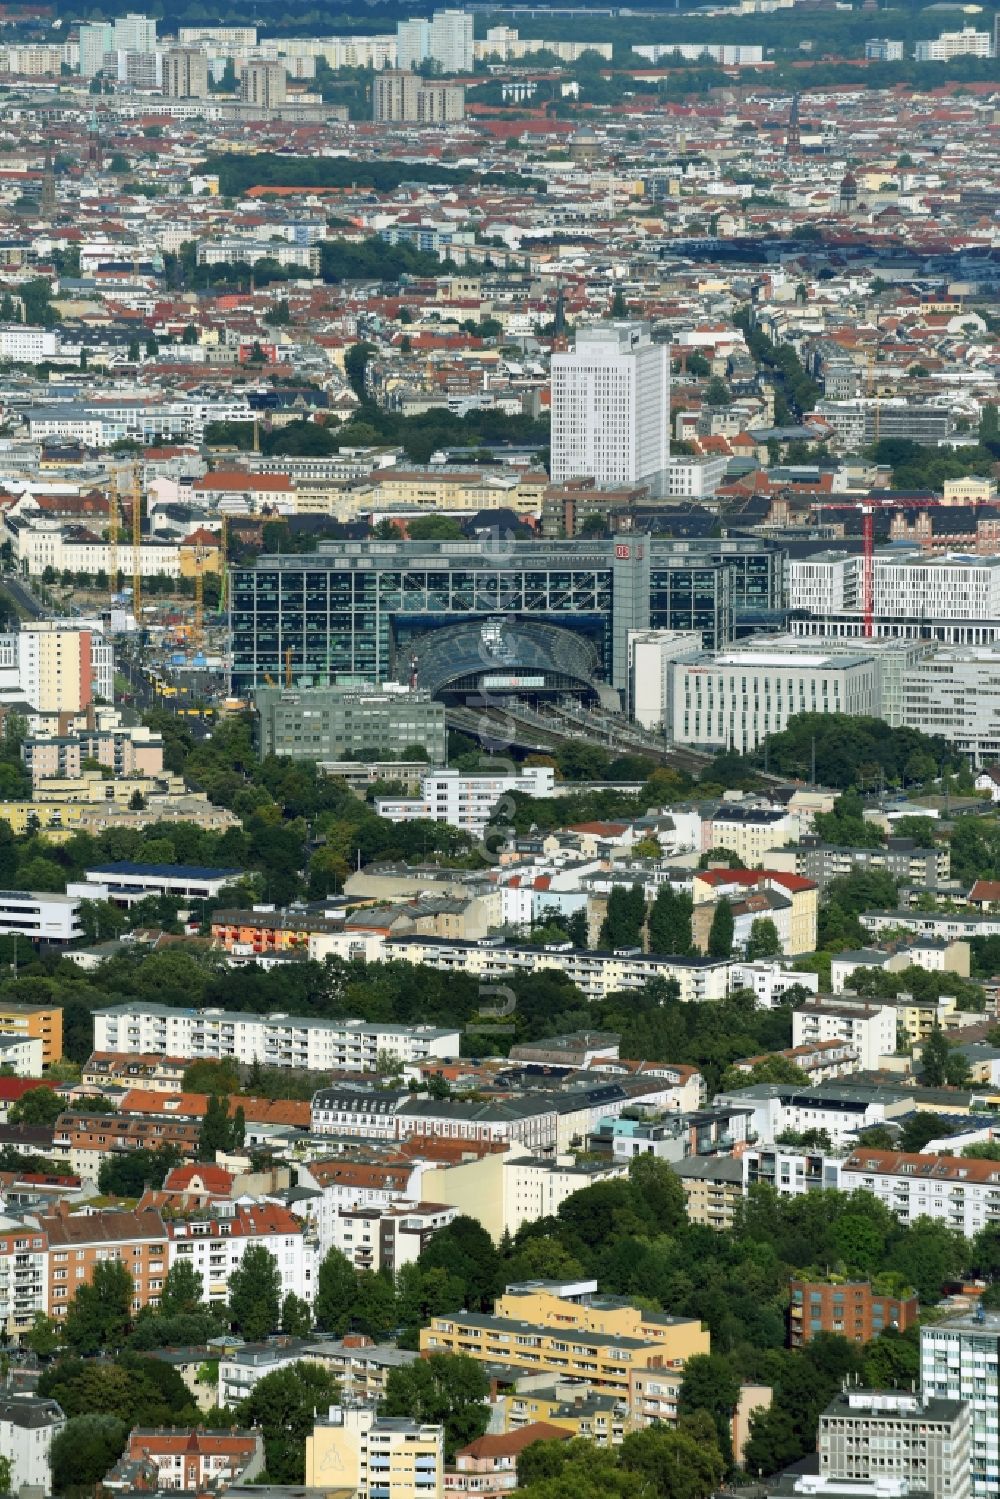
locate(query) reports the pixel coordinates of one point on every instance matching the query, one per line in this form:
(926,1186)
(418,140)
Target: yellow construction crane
(199,598)
(137,546)
(113,534)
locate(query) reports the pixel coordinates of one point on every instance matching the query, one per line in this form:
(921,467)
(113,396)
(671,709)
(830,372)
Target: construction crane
(113,535)
(198,632)
(137,546)
(867,509)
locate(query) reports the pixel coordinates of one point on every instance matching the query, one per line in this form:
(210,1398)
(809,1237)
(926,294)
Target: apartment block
(264,84)
(375,1457)
(28,1022)
(854,1309)
(468,802)
(194,1461)
(387,1238)
(79,1242)
(611,408)
(869,1027)
(539,1330)
(407,98)
(965,1194)
(29,1424)
(275,1040)
(24,1289)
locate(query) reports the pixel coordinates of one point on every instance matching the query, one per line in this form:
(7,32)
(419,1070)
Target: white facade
(96,38)
(770,980)
(826,583)
(39,916)
(869,1027)
(387,1238)
(650,653)
(467,802)
(128,884)
(956,693)
(23,1054)
(960,1360)
(28,1425)
(535,1188)
(134,33)
(278,1040)
(611,408)
(26,345)
(215,1247)
(451,41)
(965,43)
(695,478)
(50,670)
(737,697)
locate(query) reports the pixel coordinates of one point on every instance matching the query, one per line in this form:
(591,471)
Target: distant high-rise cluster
(445,41)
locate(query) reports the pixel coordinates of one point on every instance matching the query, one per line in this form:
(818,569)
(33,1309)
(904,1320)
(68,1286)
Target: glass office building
(356,612)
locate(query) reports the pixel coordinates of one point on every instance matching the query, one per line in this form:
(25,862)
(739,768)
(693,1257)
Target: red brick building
(851,1308)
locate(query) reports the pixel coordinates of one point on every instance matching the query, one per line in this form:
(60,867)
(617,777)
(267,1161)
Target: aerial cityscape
(500,750)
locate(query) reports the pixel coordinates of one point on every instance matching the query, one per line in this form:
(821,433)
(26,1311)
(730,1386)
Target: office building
(142,1029)
(96,38)
(263,84)
(375,1457)
(425,612)
(965,43)
(924,1441)
(39,916)
(953,692)
(185,73)
(126,883)
(611,408)
(862,421)
(134,33)
(406,98)
(651,655)
(852,1309)
(736,698)
(338,723)
(883,49)
(960,1360)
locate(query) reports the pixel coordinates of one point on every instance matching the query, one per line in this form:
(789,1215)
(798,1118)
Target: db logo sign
(622,552)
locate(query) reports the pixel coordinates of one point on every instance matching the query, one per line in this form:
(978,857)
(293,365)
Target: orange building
(35,1022)
(79,1242)
(852,1308)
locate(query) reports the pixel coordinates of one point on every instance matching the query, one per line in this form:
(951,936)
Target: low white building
(127,884)
(40,916)
(468,802)
(387,1238)
(215,1246)
(770,980)
(23,1054)
(28,1426)
(869,1026)
(650,653)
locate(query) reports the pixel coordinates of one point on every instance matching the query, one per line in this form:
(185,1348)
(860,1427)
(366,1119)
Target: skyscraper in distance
(611,408)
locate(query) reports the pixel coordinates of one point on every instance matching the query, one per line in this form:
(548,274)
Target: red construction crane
(868,508)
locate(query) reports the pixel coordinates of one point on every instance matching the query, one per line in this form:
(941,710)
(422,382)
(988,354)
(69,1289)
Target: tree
(255,1294)
(764,941)
(674,1464)
(711,1384)
(44,1337)
(626,912)
(335,1287)
(670,922)
(84,1450)
(183,1291)
(39,1106)
(618,307)
(217,1132)
(296,1318)
(934,1059)
(720,933)
(99,1314)
(284,1406)
(717,392)
(464,1249)
(446,1389)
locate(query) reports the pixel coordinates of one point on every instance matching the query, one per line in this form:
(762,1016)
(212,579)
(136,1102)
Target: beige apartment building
(407,98)
(354,1450)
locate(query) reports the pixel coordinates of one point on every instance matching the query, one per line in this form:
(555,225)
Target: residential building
(790,1169)
(883,49)
(331,723)
(487,1467)
(870,1027)
(375,1457)
(964,1194)
(467,802)
(926,868)
(78,1242)
(713,1186)
(960,1360)
(29,1424)
(387,1238)
(214,1244)
(790,901)
(96,38)
(770,980)
(263,84)
(185,73)
(611,408)
(538,1329)
(854,1309)
(194,1461)
(880,1435)
(62,667)
(134,33)
(42,1023)
(402,97)
(24,1289)
(751,833)
(276,1040)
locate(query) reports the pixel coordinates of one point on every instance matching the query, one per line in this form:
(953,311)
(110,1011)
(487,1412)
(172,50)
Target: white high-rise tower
(611,408)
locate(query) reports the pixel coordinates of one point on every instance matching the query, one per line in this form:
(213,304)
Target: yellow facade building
(375,1457)
(35,1022)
